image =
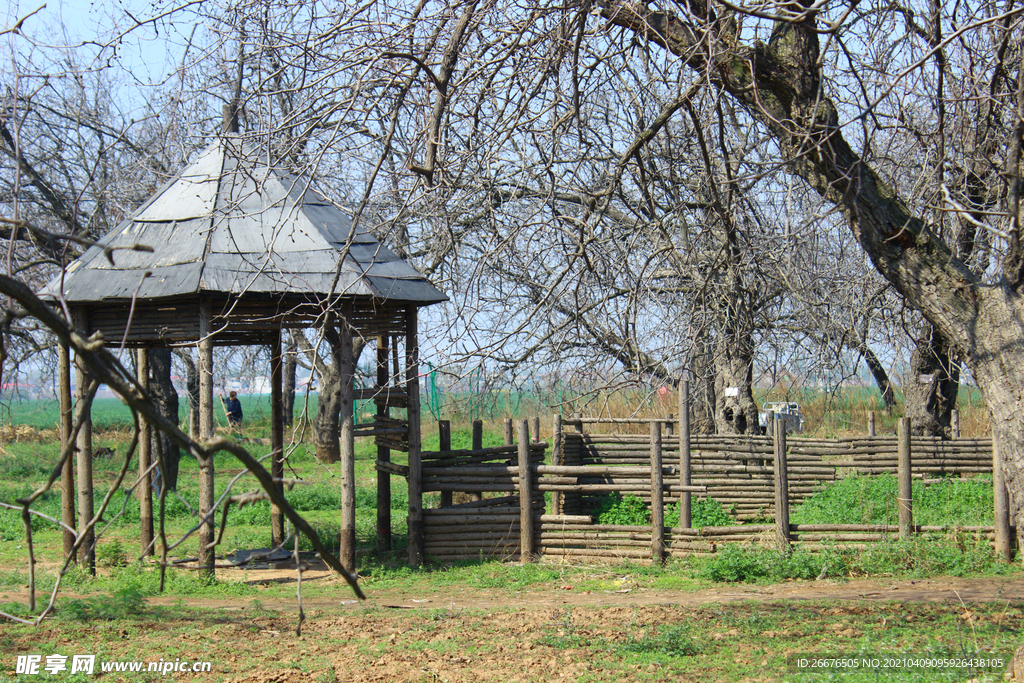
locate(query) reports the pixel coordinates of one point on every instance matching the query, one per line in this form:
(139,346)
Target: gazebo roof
(255,244)
(234,223)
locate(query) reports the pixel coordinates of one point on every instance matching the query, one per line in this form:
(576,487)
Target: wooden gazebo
(241,249)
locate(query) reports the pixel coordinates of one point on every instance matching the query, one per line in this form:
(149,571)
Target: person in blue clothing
(233,407)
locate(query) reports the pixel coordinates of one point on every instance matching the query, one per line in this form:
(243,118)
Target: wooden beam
(277,437)
(67,472)
(83,413)
(347,551)
(657,497)
(685,499)
(144,490)
(904,496)
(207,556)
(525,495)
(383,452)
(781,483)
(412,390)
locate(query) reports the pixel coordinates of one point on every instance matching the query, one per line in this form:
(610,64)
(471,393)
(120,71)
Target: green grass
(872,500)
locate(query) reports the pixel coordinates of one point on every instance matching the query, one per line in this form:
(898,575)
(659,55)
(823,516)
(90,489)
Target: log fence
(511,487)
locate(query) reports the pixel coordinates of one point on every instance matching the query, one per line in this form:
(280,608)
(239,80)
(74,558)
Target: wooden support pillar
(526,548)
(670,424)
(347,550)
(904,496)
(412,390)
(535,427)
(509,432)
(478,443)
(383,452)
(83,413)
(871,423)
(781,483)
(277,436)
(657,497)
(557,446)
(444,437)
(1001,503)
(207,556)
(67,472)
(685,498)
(954,424)
(144,490)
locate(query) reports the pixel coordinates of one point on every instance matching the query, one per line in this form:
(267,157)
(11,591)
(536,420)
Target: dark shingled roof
(233,223)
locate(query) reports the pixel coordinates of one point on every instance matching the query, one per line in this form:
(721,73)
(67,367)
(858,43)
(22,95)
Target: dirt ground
(460,634)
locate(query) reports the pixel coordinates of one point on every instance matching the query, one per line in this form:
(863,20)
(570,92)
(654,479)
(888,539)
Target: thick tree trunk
(166,399)
(735,409)
(703,390)
(290,363)
(931,389)
(326,425)
(779,82)
(191,389)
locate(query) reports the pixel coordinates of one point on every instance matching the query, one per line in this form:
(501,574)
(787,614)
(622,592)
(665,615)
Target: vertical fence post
(657,497)
(905,491)
(871,423)
(685,499)
(478,443)
(669,424)
(509,440)
(535,427)
(525,495)
(556,458)
(954,424)
(444,439)
(781,482)
(1001,503)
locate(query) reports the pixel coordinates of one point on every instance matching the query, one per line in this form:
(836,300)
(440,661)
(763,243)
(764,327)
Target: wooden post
(207,557)
(954,424)
(556,458)
(67,472)
(781,483)
(905,492)
(444,439)
(383,452)
(478,435)
(669,424)
(509,440)
(871,423)
(347,549)
(535,427)
(277,436)
(525,495)
(412,390)
(87,550)
(1001,503)
(144,490)
(657,497)
(685,499)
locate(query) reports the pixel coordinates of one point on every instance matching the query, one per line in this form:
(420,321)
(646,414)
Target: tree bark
(735,409)
(326,422)
(166,399)
(290,364)
(779,83)
(931,389)
(191,389)
(881,377)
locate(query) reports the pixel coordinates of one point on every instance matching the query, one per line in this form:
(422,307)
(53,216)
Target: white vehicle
(791,410)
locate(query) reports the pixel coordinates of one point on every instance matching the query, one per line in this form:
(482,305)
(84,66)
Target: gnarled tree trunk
(931,389)
(166,399)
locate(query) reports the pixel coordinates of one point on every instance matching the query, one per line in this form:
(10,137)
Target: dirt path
(942,590)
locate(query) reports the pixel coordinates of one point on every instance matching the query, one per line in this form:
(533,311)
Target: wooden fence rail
(752,476)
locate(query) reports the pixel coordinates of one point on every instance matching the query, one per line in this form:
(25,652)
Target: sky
(148,54)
